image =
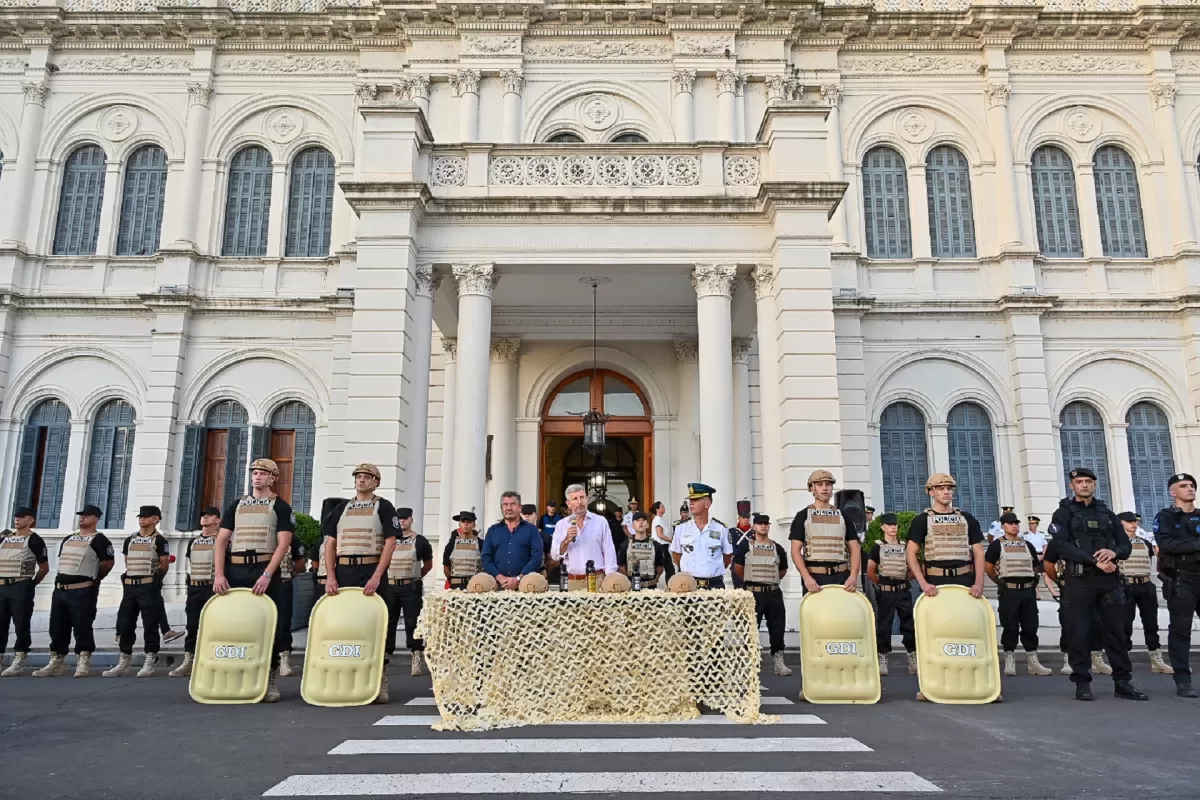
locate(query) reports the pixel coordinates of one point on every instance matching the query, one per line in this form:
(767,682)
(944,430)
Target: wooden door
(215,446)
(283,453)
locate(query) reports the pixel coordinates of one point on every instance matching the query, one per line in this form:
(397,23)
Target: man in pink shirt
(580,538)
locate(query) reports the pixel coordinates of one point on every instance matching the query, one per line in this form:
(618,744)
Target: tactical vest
(1092,532)
(762,563)
(1138,563)
(893,565)
(200,562)
(1015,562)
(405,565)
(642,554)
(465,561)
(17,560)
(825,536)
(78,558)
(359,531)
(141,560)
(255,526)
(287,566)
(946,539)
(322,567)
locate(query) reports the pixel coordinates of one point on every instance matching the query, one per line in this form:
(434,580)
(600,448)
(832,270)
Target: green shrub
(875,530)
(308,530)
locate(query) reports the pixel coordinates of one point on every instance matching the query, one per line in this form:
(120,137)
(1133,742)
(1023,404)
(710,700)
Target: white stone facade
(450,305)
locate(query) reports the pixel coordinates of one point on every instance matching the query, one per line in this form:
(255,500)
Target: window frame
(894,228)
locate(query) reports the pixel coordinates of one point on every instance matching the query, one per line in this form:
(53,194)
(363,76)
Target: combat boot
(122,669)
(83,665)
(1010,663)
(17,668)
(416,663)
(1066,667)
(883,664)
(912,663)
(272,695)
(285,664)
(1100,664)
(1034,667)
(54,668)
(780,667)
(382,697)
(1158,665)
(147,670)
(1127,690)
(184,670)
(1083,691)
(1185,690)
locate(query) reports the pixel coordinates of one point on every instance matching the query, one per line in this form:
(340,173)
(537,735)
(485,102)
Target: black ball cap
(762,519)
(211,511)
(1010,517)
(639,515)
(1127,516)
(1082,472)
(150,511)
(24,511)
(888,519)
(90,511)
(529,508)
(465,516)
(1179,477)
(403,513)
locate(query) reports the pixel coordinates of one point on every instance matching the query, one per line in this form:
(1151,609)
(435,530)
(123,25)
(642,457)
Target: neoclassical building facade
(882,238)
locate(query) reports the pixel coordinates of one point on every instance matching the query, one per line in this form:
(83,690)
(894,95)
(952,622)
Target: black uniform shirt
(387,519)
(742,550)
(1065,547)
(285,520)
(1177,534)
(797,535)
(100,545)
(919,530)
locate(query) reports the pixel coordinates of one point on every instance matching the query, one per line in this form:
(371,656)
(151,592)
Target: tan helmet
(821,476)
(482,582)
(534,583)
(265,464)
(682,583)
(939,479)
(368,469)
(615,583)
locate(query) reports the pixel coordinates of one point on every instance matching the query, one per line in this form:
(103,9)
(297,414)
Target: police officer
(996,530)
(701,545)
(739,533)
(287,603)
(23,565)
(641,553)
(411,561)
(462,558)
(200,557)
(256,532)
(1011,563)
(1087,534)
(146,555)
(1034,536)
(825,546)
(761,564)
(1177,531)
(1141,595)
(951,539)
(84,559)
(888,569)
(870,514)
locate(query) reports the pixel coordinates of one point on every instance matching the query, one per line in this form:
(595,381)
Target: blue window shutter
(248,204)
(302,470)
(142,198)
(54,475)
(190,479)
(99,474)
(1119,204)
(110,461)
(79,202)
(1055,206)
(1150,456)
(948,189)
(26,467)
(260,442)
(122,466)
(1082,437)
(310,204)
(903,458)
(973,460)
(235,463)
(885,204)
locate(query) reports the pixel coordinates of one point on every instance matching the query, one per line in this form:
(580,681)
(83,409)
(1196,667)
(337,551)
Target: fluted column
(739,110)
(713,284)
(727,81)
(1008,226)
(475,283)
(1183,231)
(687,445)
(199,97)
(514,84)
(32,114)
(743,456)
(425,285)
(682,82)
(466,88)
(832,94)
(762,278)
(446,508)
(502,419)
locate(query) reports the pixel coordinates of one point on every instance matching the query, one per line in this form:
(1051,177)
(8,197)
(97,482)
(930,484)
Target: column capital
(427,280)
(777,88)
(713,279)
(450,348)
(35,92)
(683,80)
(727,80)
(366,92)
(1163,94)
(741,349)
(199,93)
(831,93)
(997,94)
(505,351)
(465,81)
(513,79)
(477,279)
(762,279)
(417,87)
(687,351)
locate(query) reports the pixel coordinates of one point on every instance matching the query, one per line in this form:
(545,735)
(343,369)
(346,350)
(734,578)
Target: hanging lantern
(599,481)
(593,431)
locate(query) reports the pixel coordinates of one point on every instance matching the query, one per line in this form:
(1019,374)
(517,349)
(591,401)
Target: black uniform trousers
(1018,618)
(668,562)
(244,576)
(768,603)
(147,599)
(405,599)
(72,611)
(197,596)
(1082,597)
(287,606)
(1064,629)
(1183,602)
(163,624)
(890,604)
(16,604)
(1142,598)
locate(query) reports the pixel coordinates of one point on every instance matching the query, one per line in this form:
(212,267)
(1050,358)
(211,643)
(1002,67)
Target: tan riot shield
(233,648)
(343,660)
(957,660)
(838,659)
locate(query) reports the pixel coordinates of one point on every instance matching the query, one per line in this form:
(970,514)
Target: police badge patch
(395,522)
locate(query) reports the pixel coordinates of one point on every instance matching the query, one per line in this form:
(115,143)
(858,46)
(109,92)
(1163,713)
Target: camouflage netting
(502,659)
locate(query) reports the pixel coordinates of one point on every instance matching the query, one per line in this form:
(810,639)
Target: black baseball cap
(150,511)
(210,511)
(90,511)
(888,519)
(403,512)
(24,511)
(639,515)
(761,519)
(465,516)
(529,508)
(1127,516)
(1009,517)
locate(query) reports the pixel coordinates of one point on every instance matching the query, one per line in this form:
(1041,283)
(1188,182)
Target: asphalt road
(135,739)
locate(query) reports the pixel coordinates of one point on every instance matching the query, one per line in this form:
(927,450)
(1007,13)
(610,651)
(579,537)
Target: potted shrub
(304,585)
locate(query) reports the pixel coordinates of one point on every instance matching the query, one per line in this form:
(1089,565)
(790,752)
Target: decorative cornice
(713,280)
(287,65)
(474,45)
(505,351)
(741,349)
(1163,94)
(124,63)
(598,50)
(465,81)
(476,279)
(687,351)
(911,64)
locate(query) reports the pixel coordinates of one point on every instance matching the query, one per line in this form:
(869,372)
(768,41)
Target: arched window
(213,471)
(110,461)
(948,186)
(42,469)
(248,204)
(142,202)
(1055,206)
(885,204)
(79,202)
(903,458)
(973,460)
(1081,432)
(1118,204)
(310,204)
(565,138)
(291,442)
(1150,457)
(629,138)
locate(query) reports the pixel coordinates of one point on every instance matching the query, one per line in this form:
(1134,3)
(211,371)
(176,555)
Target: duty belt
(199,583)
(582,577)
(759,587)
(136,581)
(829,570)
(1028,584)
(11,581)
(403,581)
(1136,581)
(892,587)
(354,561)
(459,583)
(703,583)
(950,572)
(69,586)
(249,558)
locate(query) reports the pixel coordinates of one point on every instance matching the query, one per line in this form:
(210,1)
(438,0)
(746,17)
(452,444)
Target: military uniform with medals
(702,551)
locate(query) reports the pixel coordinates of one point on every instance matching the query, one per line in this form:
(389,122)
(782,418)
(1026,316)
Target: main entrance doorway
(625,468)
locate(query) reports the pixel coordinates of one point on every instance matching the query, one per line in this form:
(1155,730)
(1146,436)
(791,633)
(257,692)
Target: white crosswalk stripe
(816,744)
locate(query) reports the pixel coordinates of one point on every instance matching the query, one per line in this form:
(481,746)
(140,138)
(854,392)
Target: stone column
(106,231)
(713,284)
(425,286)
(1182,228)
(918,212)
(1121,477)
(832,94)
(1008,225)
(739,110)
(446,509)
(32,114)
(684,106)
(514,83)
(199,96)
(743,457)
(475,283)
(727,80)
(502,419)
(939,437)
(277,223)
(1089,216)
(686,451)
(466,88)
(762,278)
(1037,474)
(75,475)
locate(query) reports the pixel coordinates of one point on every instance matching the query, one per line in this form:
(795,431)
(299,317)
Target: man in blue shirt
(512,548)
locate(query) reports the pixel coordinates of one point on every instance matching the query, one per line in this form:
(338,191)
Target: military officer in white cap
(701,546)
